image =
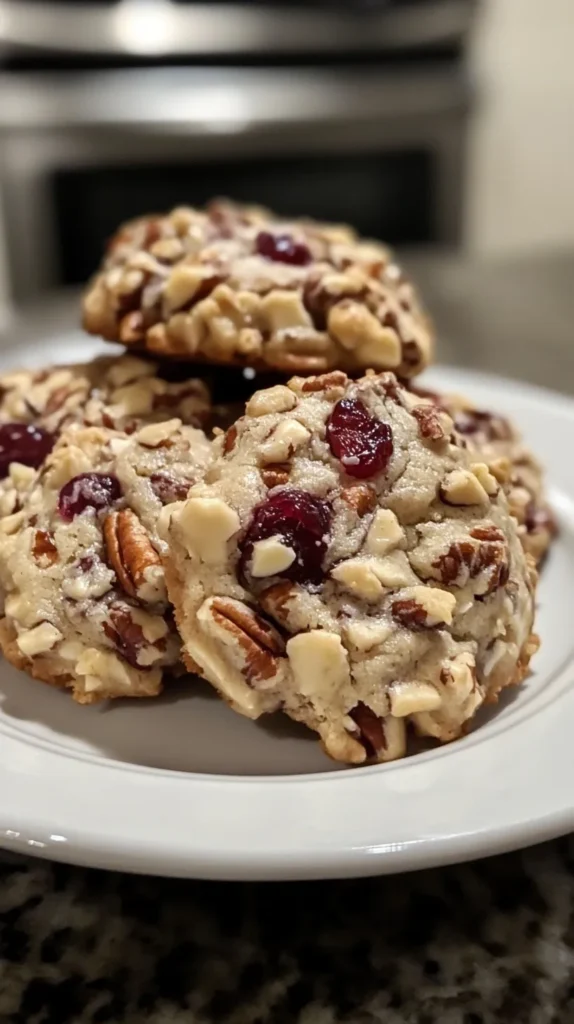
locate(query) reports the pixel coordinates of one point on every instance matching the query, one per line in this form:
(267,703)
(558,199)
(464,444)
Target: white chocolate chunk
(394,571)
(367,633)
(271,556)
(133,399)
(276,399)
(286,438)
(154,434)
(282,309)
(385,533)
(181,286)
(355,327)
(105,671)
(71,650)
(11,524)
(409,697)
(485,477)
(119,444)
(68,462)
(460,674)
(206,525)
(439,605)
(92,584)
(360,577)
(153,627)
(319,663)
(39,639)
(501,469)
(461,487)
(21,476)
(128,368)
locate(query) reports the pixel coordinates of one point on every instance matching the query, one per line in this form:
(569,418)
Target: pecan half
(251,643)
(133,557)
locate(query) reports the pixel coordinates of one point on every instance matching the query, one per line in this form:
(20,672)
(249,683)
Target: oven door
(80,153)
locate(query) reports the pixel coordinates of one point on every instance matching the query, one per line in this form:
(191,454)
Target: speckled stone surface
(488,943)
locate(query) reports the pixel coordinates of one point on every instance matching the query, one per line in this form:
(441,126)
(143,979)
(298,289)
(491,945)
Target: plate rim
(157,851)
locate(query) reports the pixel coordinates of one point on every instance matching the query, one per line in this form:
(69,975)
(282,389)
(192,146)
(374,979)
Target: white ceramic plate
(182,786)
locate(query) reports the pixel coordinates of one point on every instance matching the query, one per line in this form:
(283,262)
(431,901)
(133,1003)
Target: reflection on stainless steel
(197,100)
(160,27)
(137,118)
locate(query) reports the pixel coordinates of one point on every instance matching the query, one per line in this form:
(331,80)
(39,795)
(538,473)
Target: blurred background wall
(521,165)
(431,123)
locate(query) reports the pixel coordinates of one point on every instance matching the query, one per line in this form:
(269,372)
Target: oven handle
(160,28)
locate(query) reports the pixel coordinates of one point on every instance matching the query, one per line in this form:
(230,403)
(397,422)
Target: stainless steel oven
(352,112)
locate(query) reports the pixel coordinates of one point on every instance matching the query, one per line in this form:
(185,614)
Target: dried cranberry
(282,249)
(302,521)
(489,425)
(25,443)
(539,518)
(363,444)
(88,490)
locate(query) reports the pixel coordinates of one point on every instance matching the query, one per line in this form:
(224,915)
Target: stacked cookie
(351,550)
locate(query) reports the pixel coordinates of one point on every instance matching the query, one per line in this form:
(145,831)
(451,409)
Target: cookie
(117,392)
(497,441)
(236,286)
(348,560)
(80,563)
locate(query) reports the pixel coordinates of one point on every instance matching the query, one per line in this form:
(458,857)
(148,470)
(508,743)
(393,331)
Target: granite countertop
(487,943)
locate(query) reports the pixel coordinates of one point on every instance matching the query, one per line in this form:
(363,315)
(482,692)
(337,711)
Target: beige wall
(521,194)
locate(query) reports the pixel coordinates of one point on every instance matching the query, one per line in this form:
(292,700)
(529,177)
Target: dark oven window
(387,196)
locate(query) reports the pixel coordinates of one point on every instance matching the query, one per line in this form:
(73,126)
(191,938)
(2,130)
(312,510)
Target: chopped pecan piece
(276,600)
(359,497)
(131,330)
(276,474)
(336,379)
(424,608)
(490,532)
(410,614)
(464,561)
(126,635)
(431,422)
(169,488)
(44,548)
(230,439)
(371,729)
